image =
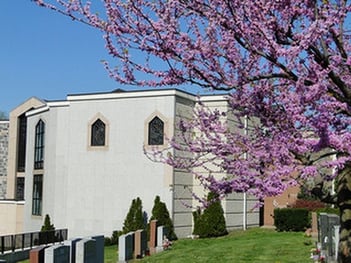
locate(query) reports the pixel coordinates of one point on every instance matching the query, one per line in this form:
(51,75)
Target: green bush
(292,219)
(161,214)
(47,226)
(115,235)
(210,223)
(113,240)
(134,219)
(47,233)
(107,241)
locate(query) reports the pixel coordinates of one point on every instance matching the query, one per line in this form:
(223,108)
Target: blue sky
(47,55)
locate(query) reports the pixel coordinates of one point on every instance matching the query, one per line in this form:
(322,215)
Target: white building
(84,161)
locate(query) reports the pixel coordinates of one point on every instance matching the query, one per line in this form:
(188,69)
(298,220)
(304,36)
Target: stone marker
(36,255)
(314,227)
(333,220)
(86,251)
(336,241)
(153,236)
(125,247)
(140,243)
(57,254)
(100,242)
(323,230)
(162,234)
(73,244)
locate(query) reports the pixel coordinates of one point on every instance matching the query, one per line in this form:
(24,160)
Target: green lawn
(254,245)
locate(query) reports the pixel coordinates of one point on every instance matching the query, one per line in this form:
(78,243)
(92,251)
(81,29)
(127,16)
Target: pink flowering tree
(286,65)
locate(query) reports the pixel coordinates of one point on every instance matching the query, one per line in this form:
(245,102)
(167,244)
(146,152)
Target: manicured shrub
(47,226)
(107,241)
(210,223)
(113,240)
(134,219)
(291,219)
(161,214)
(47,233)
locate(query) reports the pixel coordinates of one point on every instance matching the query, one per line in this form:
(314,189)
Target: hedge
(291,219)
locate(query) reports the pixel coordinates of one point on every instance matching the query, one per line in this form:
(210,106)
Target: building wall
(11,217)
(287,199)
(4,138)
(12,174)
(88,190)
(183,184)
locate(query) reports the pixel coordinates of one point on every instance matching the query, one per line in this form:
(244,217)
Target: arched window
(98,133)
(156,131)
(39,145)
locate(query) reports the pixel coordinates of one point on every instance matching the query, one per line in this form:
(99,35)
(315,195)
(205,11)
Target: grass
(254,245)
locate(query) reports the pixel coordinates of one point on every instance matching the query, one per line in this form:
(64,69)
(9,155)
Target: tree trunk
(344,204)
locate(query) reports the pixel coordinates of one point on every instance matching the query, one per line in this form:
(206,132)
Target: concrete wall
(87,190)
(11,217)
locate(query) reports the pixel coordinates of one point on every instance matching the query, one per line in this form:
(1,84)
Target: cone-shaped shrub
(210,223)
(134,219)
(47,226)
(161,214)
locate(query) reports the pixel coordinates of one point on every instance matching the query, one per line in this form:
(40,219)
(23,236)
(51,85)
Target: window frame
(22,140)
(92,121)
(152,128)
(20,185)
(167,130)
(96,132)
(39,145)
(37,195)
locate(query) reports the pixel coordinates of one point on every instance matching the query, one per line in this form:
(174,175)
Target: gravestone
(323,230)
(73,244)
(140,243)
(36,255)
(125,247)
(100,242)
(314,225)
(57,254)
(161,236)
(333,220)
(336,238)
(153,236)
(86,251)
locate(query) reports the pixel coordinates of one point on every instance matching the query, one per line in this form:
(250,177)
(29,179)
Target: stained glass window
(98,132)
(156,131)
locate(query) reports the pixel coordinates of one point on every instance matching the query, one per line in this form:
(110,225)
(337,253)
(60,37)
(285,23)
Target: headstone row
(78,250)
(135,245)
